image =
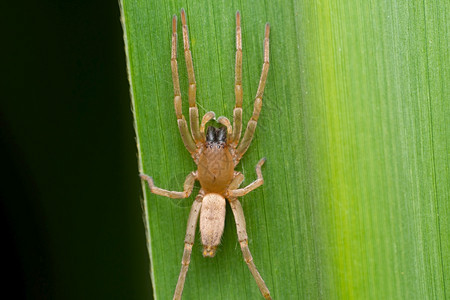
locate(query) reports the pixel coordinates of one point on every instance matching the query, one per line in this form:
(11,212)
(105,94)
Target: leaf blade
(355,129)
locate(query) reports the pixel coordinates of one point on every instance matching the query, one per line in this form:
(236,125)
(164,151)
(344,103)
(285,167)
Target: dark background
(70,217)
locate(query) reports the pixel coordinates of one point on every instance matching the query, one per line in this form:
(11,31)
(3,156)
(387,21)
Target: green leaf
(355,128)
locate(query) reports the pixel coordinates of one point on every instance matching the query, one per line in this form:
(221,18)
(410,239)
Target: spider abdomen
(212,221)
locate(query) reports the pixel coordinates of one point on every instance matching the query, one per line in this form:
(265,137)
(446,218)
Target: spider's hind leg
(239,218)
(243,241)
(188,243)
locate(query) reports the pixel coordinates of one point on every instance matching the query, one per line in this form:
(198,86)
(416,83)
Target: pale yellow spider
(216,154)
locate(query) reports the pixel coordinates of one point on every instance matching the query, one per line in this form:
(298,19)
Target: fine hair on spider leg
(216,152)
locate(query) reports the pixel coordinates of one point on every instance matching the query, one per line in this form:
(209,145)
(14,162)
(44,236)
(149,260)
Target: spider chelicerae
(216,154)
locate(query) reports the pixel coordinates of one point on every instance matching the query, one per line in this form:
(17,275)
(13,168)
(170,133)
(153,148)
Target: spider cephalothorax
(215,165)
(216,154)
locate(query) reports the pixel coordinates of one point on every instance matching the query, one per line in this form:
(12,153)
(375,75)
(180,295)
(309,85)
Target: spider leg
(188,186)
(243,238)
(237,112)
(188,243)
(193,110)
(232,193)
(243,241)
(251,126)
(182,124)
(237,180)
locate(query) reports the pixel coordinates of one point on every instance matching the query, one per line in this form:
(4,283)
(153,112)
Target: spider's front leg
(251,126)
(237,112)
(193,138)
(182,124)
(193,110)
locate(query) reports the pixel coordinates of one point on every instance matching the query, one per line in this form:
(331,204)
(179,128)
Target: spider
(216,154)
